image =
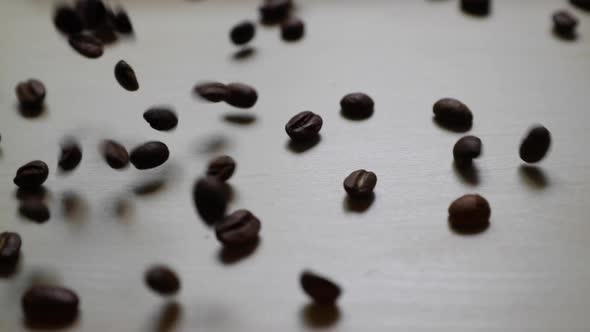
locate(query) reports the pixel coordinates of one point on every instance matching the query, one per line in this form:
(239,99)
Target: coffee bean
(122,22)
(272,11)
(357,105)
(466,149)
(242,32)
(535,145)
(452,113)
(31,175)
(30,93)
(149,155)
(476,7)
(360,183)
(10,244)
(210,195)
(222,167)
(93,12)
(115,154)
(320,289)
(292,29)
(162,280)
(238,229)
(50,305)
(304,126)
(70,156)
(35,210)
(582,4)
(241,95)
(87,45)
(67,20)
(469,213)
(212,91)
(126,76)
(564,23)
(161,118)
(105,33)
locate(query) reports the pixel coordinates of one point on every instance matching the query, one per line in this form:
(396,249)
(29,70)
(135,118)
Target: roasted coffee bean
(31,175)
(122,22)
(452,113)
(35,210)
(476,7)
(360,183)
(70,156)
(161,118)
(10,244)
(87,45)
(582,4)
(115,154)
(238,229)
(162,280)
(242,32)
(30,93)
(320,289)
(149,155)
(126,76)
(222,167)
(105,33)
(466,149)
(212,91)
(67,20)
(292,29)
(304,126)
(210,195)
(535,145)
(469,213)
(272,11)
(241,95)
(93,12)
(50,305)
(564,23)
(357,105)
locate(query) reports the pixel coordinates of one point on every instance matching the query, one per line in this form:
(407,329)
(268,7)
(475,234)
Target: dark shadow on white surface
(317,316)
(303,146)
(452,127)
(228,256)
(244,53)
(358,204)
(74,207)
(468,173)
(168,318)
(569,37)
(356,116)
(534,177)
(215,144)
(149,186)
(240,119)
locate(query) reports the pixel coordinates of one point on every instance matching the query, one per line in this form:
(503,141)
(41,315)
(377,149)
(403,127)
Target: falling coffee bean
(31,175)
(320,289)
(149,155)
(161,118)
(34,210)
(241,95)
(272,11)
(357,106)
(292,29)
(360,183)
(452,113)
(535,145)
(87,45)
(466,149)
(210,196)
(242,32)
(126,76)
(115,154)
(222,167)
(70,156)
(93,12)
(162,280)
(30,93)
(10,244)
(212,91)
(469,213)
(582,4)
(238,229)
(304,126)
(564,23)
(67,20)
(50,305)
(122,22)
(476,7)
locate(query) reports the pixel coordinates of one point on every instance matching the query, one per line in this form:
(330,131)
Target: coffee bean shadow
(240,119)
(566,37)
(124,210)
(467,231)
(533,176)
(7,271)
(356,116)
(232,194)
(457,128)
(106,35)
(40,193)
(267,23)
(358,204)
(318,316)
(1,153)
(36,216)
(213,145)
(168,317)
(49,325)
(303,146)
(74,207)
(149,187)
(228,256)
(468,174)
(31,111)
(244,53)
(477,13)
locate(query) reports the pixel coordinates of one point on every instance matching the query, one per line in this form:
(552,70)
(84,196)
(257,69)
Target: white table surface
(401,267)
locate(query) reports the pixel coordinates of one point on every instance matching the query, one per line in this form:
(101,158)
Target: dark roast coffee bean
(30,93)
(161,118)
(292,29)
(453,113)
(582,4)
(466,149)
(35,210)
(241,95)
(31,175)
(149,155)
(122,22)
(357,105)
(320,289)
(87,45)
(535,145)
(162,280)
(10,244)
(304,126)
(126,76)
(105,33)
(212,91)
(222,167)
(242,32)
(564,23)
(93,12)
(67,20)
(238,229)
(70,156)
(360,183)
(469,212)
(50,305)
(275,10)
(115,154)
(210,195)
(476,7)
